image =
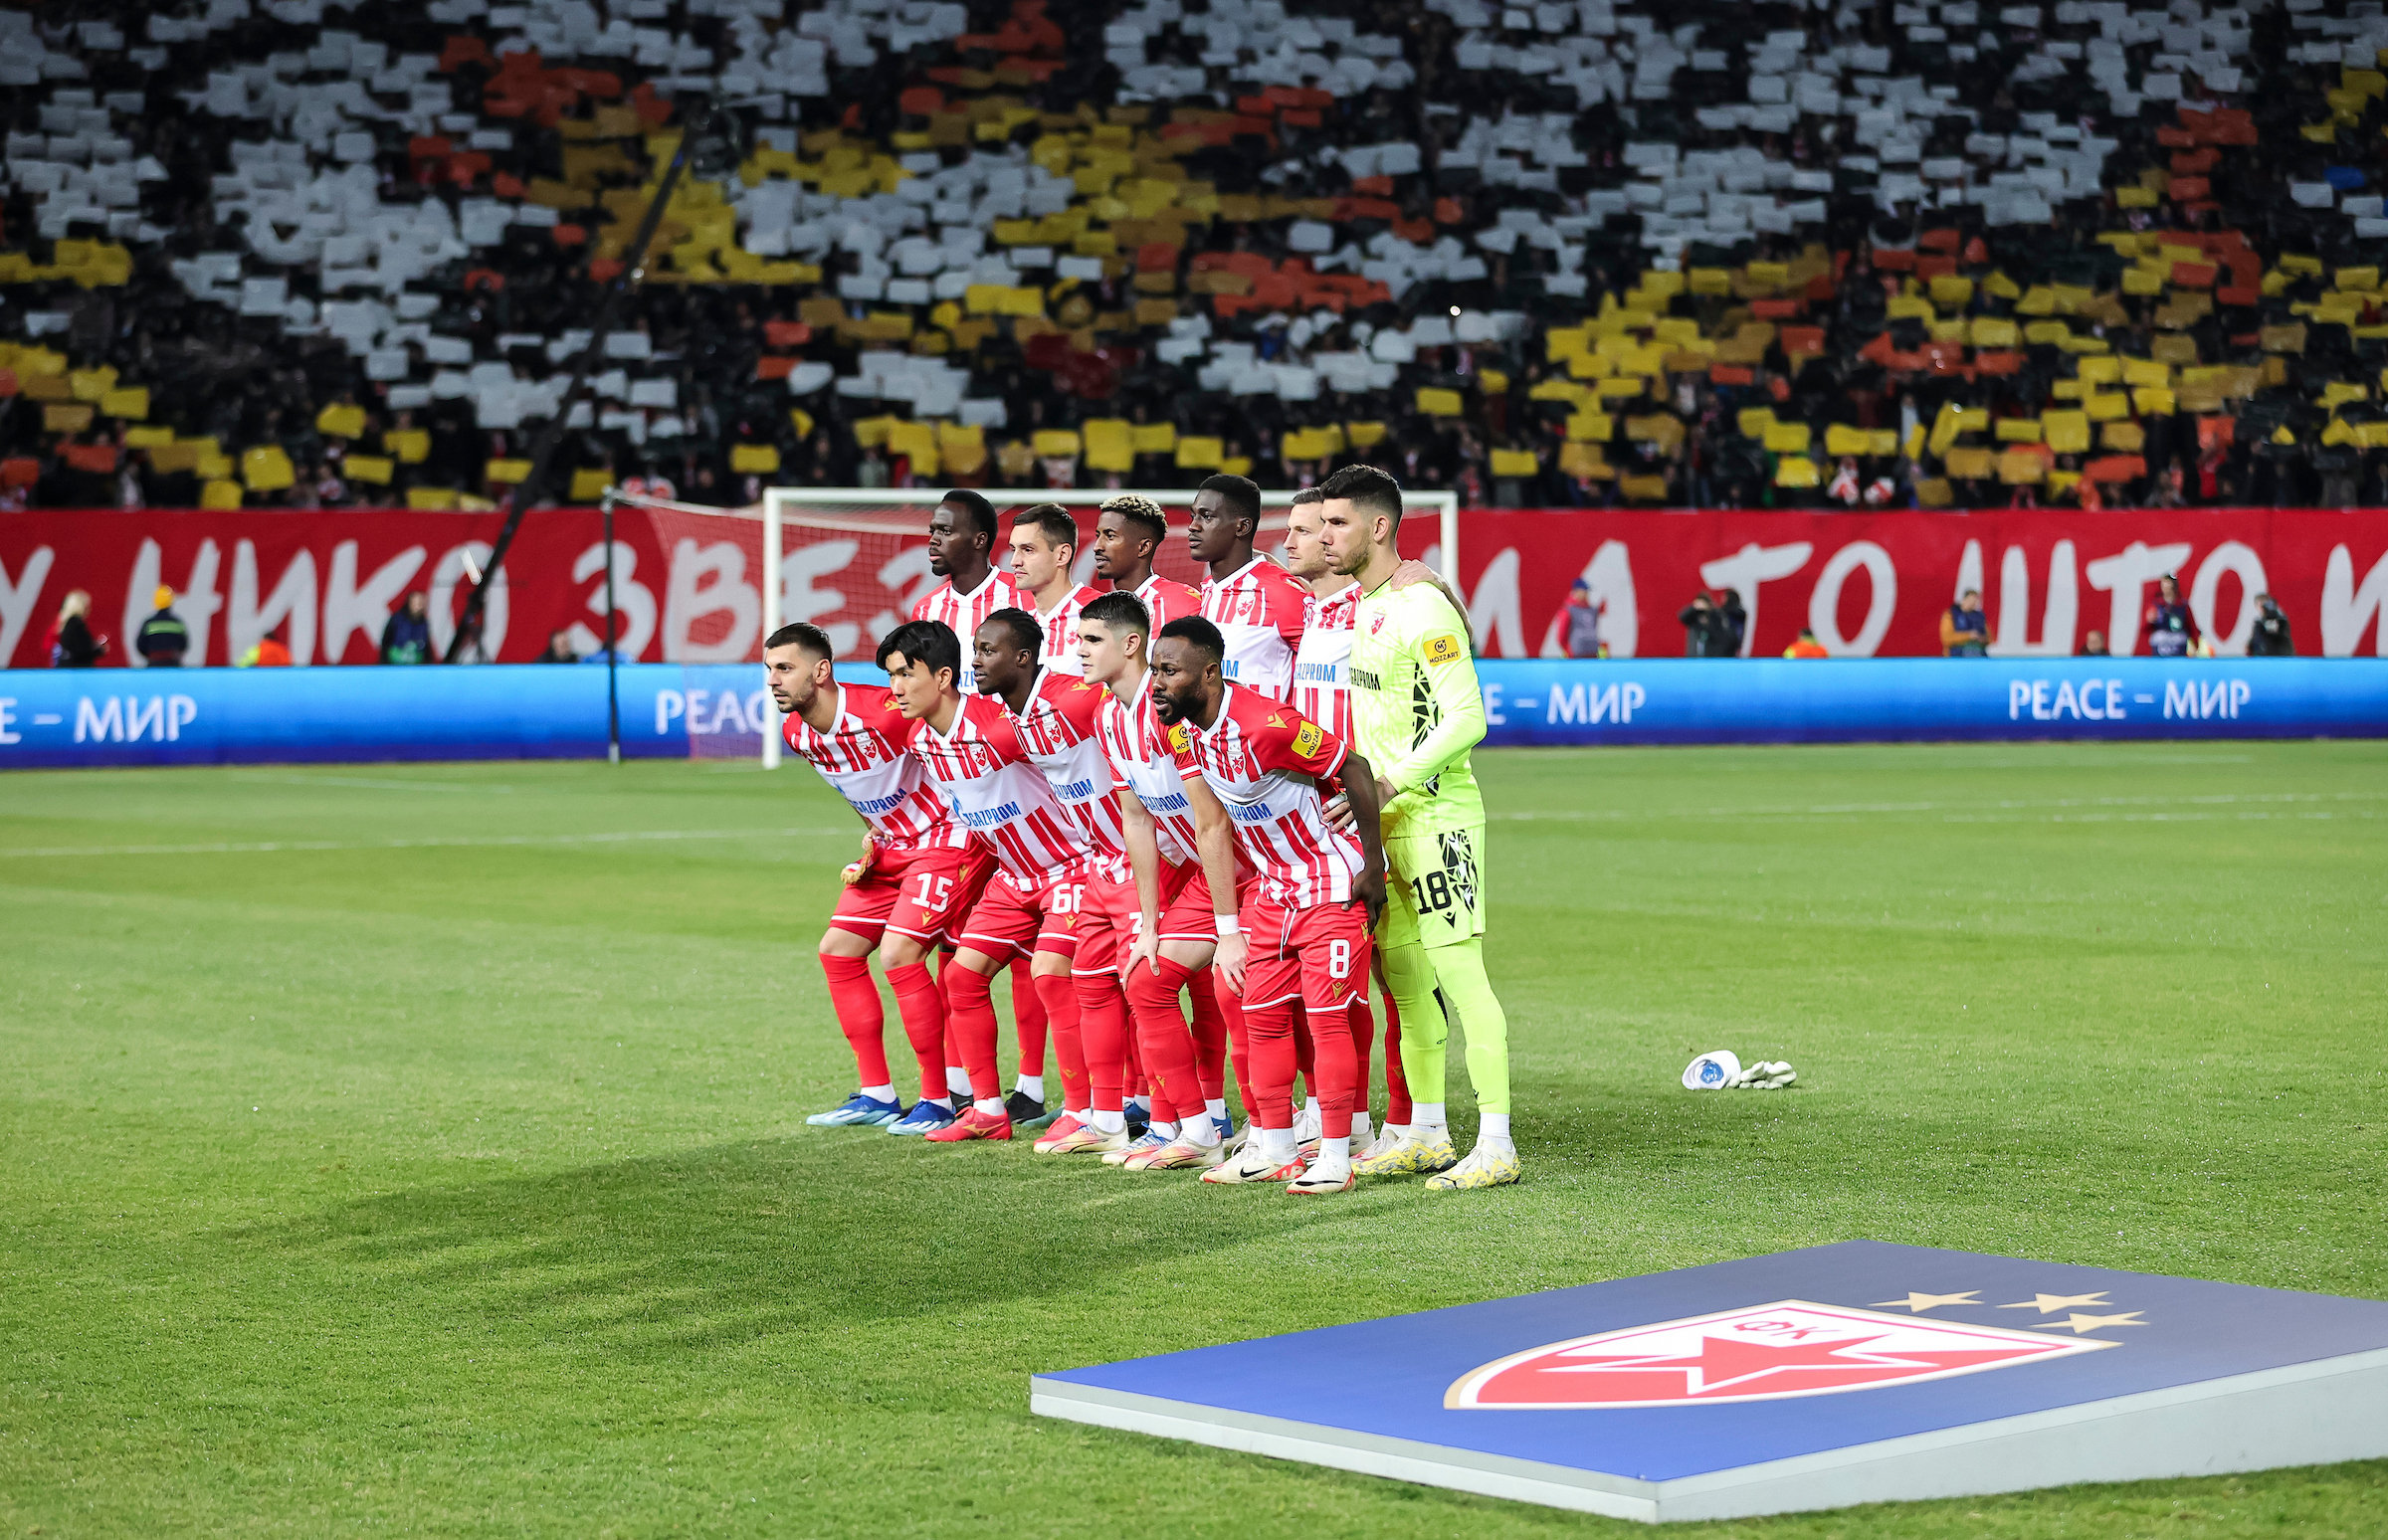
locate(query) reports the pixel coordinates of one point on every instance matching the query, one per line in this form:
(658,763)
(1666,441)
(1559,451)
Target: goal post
(819,509)
(853,560)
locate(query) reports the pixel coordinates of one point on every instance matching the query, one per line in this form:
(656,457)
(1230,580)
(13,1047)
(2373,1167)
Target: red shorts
(1112,917)
(920,893)
(1010,923)
(1317,955)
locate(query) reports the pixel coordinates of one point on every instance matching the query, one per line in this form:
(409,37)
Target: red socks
(1397,1085)
(1239,1040)
(1210,1036)
(1068,1015)
(1333,1074)
(1029,1012)
(1364,1037)
(922,1005)
(1168,1048)
(970,1010)
(853,995)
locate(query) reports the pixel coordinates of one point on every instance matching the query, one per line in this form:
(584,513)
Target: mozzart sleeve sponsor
(1674,700)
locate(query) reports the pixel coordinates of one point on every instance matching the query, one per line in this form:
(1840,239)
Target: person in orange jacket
(1807,646)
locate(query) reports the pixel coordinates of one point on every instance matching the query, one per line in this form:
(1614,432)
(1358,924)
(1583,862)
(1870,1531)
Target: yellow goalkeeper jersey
(1416,708)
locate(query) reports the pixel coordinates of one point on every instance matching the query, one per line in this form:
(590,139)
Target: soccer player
(961,550)
(1056,719)
(1323,693)
(920,872)
(1128,533)
(1180,895)
(972,750)
(1256,605)
(1301,941)
(1044,546)
(1416,710)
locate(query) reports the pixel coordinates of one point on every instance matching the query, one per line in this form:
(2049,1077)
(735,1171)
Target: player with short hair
(1257,605)
(1303,926)
(961,550)
(972,750)
(919,871)
(1178,896)
(1129,531)
(1417,709)
(1322,693)
(1044,546)
(1057,718)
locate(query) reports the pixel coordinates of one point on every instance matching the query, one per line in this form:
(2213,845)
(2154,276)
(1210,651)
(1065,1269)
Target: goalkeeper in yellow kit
(1416,711)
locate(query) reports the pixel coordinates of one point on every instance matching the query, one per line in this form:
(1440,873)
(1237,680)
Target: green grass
(462,1187)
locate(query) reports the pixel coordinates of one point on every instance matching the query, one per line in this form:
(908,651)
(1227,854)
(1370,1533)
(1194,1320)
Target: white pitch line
(242,847)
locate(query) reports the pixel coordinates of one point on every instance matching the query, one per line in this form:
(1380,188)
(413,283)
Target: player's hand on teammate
(1337,811)
(1410,572)
(1369,889)
(1229,959)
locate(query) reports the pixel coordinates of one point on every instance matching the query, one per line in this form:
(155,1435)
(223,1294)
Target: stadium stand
(288,253)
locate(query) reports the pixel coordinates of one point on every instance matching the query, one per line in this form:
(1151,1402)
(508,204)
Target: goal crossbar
(821,507)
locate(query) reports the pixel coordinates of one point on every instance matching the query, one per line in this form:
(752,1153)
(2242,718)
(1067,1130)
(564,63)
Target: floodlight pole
(634,269)
(613,696)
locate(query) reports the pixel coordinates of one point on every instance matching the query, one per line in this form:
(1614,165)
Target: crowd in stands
(1929,253)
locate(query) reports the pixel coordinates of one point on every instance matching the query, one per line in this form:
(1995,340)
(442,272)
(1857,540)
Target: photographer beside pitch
(1416,711)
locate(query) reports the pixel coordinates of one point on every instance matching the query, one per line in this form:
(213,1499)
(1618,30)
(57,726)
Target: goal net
(854,561)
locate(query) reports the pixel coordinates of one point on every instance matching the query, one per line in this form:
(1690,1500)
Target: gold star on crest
(2049,1304)
(1917,1303)
(2076,1324)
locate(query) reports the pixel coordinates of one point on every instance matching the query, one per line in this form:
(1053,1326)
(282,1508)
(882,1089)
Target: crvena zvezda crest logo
(1756,1353)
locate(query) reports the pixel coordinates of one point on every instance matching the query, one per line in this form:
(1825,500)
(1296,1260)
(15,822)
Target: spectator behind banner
(2270,636)
(1583,622)
(407,638)
(1733,625)
(1807,646)
(163,637)
(72,642)
(2171,631)
(1700,621)
(270,652)
(559,648)
(2095,645)
(1965,629)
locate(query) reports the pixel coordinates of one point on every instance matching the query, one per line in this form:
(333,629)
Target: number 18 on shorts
(1434,889)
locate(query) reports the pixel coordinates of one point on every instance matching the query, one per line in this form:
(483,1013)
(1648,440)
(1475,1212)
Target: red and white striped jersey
(1322,663)
(1153,762)
(1061,730)
(1166,599)
(1264,760)
(963,614)
(1259,611)
(1060,628)
(983,770)
(863,758)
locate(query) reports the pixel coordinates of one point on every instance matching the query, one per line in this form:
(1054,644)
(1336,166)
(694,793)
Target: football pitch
(422,1148)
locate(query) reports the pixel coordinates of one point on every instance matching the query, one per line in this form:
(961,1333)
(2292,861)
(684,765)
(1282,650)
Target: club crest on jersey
(1306,741)
(1442,649)
(1765,1352)
(1376,623)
